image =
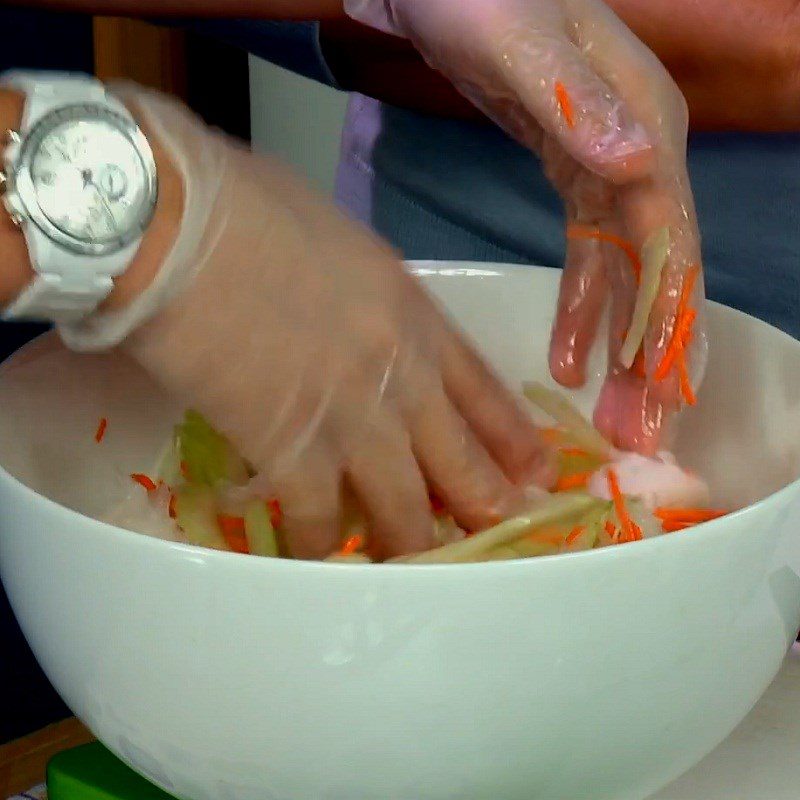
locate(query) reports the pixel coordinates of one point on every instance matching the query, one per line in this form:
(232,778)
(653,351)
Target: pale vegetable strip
(553,509)
(654,255)
(351,558)
(258,530)
(564,413)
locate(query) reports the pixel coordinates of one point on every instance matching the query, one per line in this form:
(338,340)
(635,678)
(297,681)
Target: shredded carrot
(230,524)
(688,514)
(576,481)
(565,104)
(574,534)
(671,526)
(687,393)
(275,513)
(684,318)
(610,528)
(632,532)
(185,471)
(144,481)
(173,512)
(573,451)
(584,232)
(352,545)
(101,430)
(233,532)
(681,337)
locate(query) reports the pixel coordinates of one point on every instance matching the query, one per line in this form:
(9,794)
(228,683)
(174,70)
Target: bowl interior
(742,436)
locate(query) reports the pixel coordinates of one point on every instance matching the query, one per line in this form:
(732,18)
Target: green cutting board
(92,773)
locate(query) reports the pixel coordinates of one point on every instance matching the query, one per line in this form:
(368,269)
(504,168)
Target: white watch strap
(51,296)
(47,298)
(47,90)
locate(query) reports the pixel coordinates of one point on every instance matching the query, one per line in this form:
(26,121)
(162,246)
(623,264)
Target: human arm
(303,338)
(245,9)
(735,62)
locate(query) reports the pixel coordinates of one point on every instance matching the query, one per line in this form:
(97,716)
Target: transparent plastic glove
(570,81)
(303,339)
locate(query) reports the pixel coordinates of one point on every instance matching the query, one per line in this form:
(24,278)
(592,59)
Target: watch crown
(15,211)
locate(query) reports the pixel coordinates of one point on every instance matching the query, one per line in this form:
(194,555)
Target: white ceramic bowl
(596,675)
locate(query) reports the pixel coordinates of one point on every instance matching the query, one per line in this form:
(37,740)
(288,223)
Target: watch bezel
(24,188)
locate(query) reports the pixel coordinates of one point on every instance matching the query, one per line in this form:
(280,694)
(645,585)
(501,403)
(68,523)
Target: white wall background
(297,119)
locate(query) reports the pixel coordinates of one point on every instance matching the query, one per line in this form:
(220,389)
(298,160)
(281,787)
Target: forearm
(262,9)
(735,60)
(15,268)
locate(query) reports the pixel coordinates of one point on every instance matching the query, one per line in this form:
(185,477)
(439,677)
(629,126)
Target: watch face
(87,179)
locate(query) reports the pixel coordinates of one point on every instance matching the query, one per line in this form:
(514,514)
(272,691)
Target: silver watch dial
(87,179)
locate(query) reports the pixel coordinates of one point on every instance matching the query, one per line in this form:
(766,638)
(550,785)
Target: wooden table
(23,763)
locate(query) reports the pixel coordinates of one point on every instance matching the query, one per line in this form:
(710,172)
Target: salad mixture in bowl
(602,497)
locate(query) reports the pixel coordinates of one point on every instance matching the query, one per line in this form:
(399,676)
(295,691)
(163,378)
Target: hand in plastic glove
(302,338)
(570,81)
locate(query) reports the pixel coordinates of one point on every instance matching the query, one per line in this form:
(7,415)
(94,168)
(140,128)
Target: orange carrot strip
(352,545)
(275,513)
(234,533)
(101,430)
(565,104)
(185,471)
(688,514)
(573,451)
(684,317)
(144,481)
(583,232)
(609,527)
(230,524)
(632,532)
(687,393)
(576,481)
(172,510)
(671,526)
(574,534)
(681,338)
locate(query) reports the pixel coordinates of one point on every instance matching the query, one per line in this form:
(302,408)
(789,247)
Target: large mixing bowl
(588,676)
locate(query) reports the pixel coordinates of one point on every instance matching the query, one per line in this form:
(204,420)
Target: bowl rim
(701,532)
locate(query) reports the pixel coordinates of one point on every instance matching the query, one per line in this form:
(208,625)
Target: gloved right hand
(302,338)
(567,79)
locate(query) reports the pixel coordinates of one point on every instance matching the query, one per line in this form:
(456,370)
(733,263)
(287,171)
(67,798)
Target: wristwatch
(80,181)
